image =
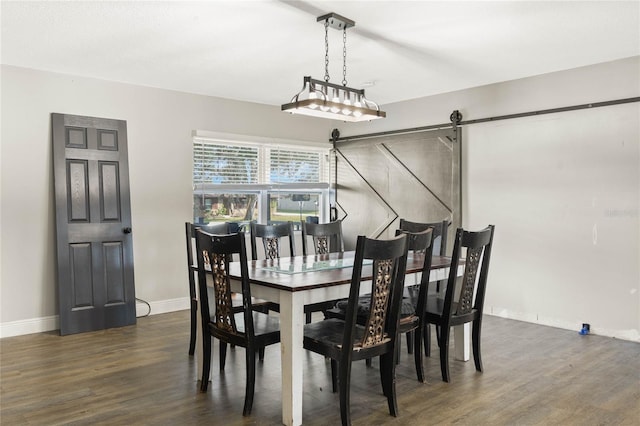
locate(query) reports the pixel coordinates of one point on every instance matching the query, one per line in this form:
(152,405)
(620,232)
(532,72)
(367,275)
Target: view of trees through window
(226,207)
(267,184)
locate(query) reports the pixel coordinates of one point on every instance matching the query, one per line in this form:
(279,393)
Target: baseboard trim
(29,326)
(630,335)
(163,306)
(51,323)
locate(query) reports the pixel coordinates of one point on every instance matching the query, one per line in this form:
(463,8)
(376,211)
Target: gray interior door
(414,176)
(93,223)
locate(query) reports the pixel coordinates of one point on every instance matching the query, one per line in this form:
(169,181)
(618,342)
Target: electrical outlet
(586,328)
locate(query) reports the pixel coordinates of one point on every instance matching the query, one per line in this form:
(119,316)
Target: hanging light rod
(327,100)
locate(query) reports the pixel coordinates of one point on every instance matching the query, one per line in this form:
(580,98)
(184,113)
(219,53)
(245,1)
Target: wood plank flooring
(142,375)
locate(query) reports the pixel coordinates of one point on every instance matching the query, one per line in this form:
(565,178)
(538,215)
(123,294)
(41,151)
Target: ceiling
(260,50)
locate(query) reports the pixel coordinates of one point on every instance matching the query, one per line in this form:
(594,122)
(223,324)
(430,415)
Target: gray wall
(160,126)
(546,182)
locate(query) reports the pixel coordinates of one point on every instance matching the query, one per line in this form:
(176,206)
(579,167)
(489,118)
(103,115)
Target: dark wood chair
(271,236)
(249,329)
(345,341)
(217,228)
(411,316)
(327,238)
(421,243)
(190,228)
(468,306)
(440,232)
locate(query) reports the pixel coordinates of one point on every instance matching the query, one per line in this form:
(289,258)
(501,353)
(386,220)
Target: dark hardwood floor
(142,374)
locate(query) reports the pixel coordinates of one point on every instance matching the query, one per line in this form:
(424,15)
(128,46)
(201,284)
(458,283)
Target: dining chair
(216,228)
(327,238)
(411,316)
(345,341)
(440,232)
(271,236)
(250,329)
(190,228)
(464,302)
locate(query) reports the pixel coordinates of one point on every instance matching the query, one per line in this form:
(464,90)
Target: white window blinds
(288,166)
(224,164)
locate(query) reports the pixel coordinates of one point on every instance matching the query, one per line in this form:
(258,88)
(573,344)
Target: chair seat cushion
(262,323)
(329,331)
(407,308)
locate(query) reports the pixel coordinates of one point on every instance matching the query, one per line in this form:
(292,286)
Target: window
(266,182)
(294,166)
(220,164)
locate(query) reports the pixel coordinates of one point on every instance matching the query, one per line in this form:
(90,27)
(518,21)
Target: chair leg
(417,354)
(334,375)
(250,356)
(444,353)
(344,382)
(368,362)
(223,355)
(194,324)
(206,362)
(410,340)
(475,341)
(387,374)
(383,377)
(426,337)
(261,354)
(308,317)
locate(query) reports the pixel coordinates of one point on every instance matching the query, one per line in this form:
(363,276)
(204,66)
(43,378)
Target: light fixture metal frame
(321,105)
(318,103)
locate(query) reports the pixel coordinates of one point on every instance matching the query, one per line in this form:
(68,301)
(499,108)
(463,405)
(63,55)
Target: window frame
(264,188)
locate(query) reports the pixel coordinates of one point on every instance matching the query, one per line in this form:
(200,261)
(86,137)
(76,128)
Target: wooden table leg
(292,356)
(462,341)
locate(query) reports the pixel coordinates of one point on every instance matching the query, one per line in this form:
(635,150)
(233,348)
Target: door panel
(78,190)
(81,279)
(109,191)
(93,222)
(382,179)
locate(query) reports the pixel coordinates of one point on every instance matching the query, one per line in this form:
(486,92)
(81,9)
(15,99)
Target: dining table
(294,282)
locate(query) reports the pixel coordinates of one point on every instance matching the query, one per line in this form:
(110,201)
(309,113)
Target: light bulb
(336,100)
(346,109)
(357,113)
(313,105)
(323,107)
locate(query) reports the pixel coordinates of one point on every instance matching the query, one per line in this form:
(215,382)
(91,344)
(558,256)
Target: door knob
(126,230)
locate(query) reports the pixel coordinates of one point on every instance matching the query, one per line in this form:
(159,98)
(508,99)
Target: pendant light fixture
(327,100)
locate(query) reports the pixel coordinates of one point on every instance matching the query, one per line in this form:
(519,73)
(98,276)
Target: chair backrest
(421,243)
(190,231)
(214,253)
(439,233)
(271,236)
(327,237)
(476,268)
(389,264)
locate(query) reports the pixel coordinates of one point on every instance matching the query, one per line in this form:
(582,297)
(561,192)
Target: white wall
(160,124)
(562,189)
(546,179)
